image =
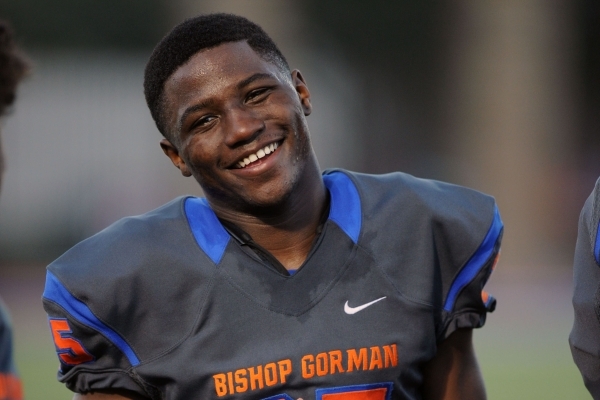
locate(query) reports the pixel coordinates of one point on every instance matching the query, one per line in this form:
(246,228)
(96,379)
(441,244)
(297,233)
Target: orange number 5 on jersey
(69,350)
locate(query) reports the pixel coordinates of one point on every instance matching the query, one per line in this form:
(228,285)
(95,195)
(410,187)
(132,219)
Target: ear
(171,151)
(302,90)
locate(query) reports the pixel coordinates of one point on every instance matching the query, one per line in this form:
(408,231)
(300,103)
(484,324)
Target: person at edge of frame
(584,339)
(13,67)
(284,282)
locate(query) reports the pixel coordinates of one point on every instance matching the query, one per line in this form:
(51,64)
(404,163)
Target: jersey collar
(212,237)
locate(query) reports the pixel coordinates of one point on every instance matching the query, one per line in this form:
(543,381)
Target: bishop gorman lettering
(311,365)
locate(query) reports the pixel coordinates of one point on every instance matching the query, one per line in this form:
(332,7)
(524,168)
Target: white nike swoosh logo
(354,310)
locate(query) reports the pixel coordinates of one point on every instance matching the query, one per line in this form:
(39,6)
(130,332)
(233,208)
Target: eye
(204,121)
(257,95)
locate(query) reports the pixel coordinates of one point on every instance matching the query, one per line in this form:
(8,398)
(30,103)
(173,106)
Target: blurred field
(21,288)
(523,349)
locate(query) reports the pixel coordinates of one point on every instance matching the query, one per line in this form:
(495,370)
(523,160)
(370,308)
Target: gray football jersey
(585,335)
(168,305)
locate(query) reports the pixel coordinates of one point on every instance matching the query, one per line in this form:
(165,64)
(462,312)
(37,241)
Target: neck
(288,231)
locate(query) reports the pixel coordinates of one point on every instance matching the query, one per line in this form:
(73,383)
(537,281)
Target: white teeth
(259,154)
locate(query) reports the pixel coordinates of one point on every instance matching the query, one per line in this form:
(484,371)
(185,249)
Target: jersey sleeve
(92,355)
(468,254)
(584,339)
(10,385)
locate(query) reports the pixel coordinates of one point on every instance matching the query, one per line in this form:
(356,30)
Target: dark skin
(278,199)
(225,105)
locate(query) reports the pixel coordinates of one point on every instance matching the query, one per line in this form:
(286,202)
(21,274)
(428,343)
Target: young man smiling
(283,282)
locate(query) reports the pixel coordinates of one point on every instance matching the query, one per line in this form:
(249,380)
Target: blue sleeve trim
(206,228)
(489,301)
(597,245)
(345,209)
(477,261)
(56,292)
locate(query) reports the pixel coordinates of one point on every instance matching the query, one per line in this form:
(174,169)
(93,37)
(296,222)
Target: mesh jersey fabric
(167,306)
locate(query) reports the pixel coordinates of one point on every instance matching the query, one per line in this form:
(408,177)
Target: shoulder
(431,238)
(589,223)
(128,241)
(400,197)
(587,250)
(139,266)
(586,293)
(413,190)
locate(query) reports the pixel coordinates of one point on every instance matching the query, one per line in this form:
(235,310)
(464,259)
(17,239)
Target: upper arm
(465,303)
(468,248)
(453,374)
(91,354)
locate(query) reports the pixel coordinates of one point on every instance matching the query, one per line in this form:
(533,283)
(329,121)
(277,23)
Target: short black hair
(13,66)
(190,37)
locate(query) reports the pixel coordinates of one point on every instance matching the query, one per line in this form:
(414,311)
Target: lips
(254,157)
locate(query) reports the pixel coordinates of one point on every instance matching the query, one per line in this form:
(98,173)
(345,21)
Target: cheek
(283,106)
(201,152)
(301,132)
(203,157)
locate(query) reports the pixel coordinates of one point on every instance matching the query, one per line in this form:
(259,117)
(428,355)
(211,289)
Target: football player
(12,69)
(283,282)
(585,335)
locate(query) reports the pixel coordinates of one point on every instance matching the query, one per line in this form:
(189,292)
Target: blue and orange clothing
(170,306)
(10,385)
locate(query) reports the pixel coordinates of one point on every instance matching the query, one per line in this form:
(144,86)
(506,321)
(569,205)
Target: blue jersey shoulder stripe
(212,238)
(345,209)
(56,292)
(477,261)
(206,228)
(597,245)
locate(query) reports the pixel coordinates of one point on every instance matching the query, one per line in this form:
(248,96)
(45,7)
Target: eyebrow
(252,78)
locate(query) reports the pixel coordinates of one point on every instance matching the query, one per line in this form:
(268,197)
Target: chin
(264,199)
(268,201)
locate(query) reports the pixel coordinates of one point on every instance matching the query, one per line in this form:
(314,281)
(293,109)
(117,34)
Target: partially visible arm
(10,384)
(584,338)
(453,374)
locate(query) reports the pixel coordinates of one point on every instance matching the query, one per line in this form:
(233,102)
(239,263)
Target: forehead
(211,69)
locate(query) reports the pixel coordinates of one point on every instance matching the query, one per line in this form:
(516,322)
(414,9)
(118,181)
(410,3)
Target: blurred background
(502,96)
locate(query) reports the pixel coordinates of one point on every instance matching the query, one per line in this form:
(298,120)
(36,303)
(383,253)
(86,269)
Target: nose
(243,126)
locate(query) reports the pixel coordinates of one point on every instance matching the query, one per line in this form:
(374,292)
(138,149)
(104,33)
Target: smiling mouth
(262,153)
